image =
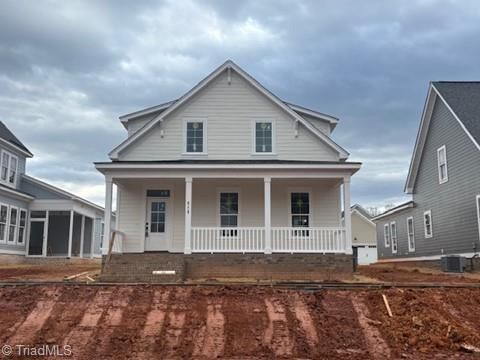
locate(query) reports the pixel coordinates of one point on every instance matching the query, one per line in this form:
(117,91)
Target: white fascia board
(228,64)
(393,211)
(17,148)
(312,113)
(135,114)
(18,194)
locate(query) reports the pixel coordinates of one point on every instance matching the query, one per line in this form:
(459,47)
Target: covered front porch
(267,209)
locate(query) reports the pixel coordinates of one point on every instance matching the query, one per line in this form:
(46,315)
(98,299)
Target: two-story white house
(230,174)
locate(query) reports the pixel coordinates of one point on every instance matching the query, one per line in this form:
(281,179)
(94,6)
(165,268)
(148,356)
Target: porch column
(347,215)
(188,215)
(268,214)
(70,235)
(107,215)
(82,235)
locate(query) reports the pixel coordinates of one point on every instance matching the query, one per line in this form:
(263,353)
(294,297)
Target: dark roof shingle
(464,99)
(8,136)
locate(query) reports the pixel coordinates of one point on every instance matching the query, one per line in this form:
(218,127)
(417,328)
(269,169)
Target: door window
(157,217)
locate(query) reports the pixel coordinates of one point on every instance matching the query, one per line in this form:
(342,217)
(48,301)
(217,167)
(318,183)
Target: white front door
(157,229)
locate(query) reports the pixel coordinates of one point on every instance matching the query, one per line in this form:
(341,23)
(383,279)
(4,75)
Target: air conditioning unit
(453,263)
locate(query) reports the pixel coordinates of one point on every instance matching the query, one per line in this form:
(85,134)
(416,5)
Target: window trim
(386,235)
(4,241)
(429,213)
(394,238)
(24,227)
(205,129)
(10,156)
(15,236)
(229,190)
(445,179)
(310,205)
(254,137)
(411,248)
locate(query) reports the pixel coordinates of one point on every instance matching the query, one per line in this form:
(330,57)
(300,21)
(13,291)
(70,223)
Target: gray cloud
(69,69)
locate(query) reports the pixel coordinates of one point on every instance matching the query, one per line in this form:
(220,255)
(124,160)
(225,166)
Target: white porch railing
(283,240)
(238,239)
(308,240)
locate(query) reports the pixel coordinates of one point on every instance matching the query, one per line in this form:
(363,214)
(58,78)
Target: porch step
(149,267)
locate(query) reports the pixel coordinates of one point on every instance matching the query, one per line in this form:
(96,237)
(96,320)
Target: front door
(37,237)
(157,227)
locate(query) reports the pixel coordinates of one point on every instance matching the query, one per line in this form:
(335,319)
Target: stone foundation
(251,267)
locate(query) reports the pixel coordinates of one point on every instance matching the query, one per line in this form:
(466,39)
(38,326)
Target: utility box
(453,263)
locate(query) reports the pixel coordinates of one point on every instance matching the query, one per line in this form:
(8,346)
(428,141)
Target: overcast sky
(68,69)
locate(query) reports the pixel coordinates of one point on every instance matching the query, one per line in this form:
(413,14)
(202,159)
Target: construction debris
(387,305)
(71,277)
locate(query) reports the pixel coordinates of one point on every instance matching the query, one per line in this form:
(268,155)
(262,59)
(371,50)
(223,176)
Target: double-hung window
(229,212)
(386,235)
(195,136)
(263,137)
(13,223)
(393,236)
(442,164)
(22,222)
(9,169)
(3,222)
(427,224)
(411,234)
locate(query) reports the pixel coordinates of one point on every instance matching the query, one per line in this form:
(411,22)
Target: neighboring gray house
(444,180)
(38,219)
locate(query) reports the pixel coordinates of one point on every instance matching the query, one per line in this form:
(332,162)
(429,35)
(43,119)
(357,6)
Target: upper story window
(195,137)
(263,137)
(442,164)
(9,168)
(427,223)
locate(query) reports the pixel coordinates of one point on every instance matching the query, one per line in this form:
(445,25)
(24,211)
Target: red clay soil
(146,322)
(392,273)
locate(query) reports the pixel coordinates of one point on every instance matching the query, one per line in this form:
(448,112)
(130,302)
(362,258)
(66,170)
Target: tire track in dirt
(173,331)
(377,346)
(153,325)
(111,319)
(245,323)
(27,330)
(81,334)
(277,335)
(305,320)
(211,338)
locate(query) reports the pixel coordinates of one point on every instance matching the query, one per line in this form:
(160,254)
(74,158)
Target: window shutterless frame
(4,212)
(411,234)
(263,130)
(386,235)
(8,168)
(12,225)
(393,237)
(442,164)
(190,136)
(427,224)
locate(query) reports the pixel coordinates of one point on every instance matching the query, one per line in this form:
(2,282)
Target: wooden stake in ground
(71,277)
(385,301)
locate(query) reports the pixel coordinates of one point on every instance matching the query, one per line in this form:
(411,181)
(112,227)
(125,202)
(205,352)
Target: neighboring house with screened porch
(444,180)
(39,219)
(229,174)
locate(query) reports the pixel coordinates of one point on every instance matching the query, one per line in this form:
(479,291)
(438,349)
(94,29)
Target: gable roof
(462,98)
(361,210)
(7,136)
(228,65)
(406,205)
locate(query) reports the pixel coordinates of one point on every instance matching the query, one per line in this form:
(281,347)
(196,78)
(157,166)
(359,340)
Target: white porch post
(82,235)
(70,235)
(347,215)
(268,216)
(108,214)
(188,215)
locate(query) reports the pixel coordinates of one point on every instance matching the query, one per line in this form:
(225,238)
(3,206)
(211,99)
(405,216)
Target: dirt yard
(47,270)
(146,322)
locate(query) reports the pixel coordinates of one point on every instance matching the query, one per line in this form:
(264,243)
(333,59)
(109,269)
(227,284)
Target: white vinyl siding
(386,235)
(230,110)
(442,164)
(393,236)
(411,234)
(427,224)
